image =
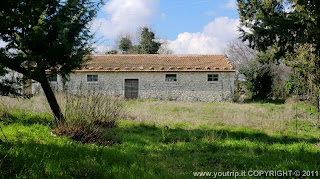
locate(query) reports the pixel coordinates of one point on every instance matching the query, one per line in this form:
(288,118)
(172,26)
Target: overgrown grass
(163,139)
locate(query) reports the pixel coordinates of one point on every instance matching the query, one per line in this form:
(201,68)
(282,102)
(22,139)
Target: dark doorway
(131,88)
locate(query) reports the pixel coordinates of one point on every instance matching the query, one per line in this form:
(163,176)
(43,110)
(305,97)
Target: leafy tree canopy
(147,44)
(283,27)
(282,24)
(125,44)
(47,35)
(258,79)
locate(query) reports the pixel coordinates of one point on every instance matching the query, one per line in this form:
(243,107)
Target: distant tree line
(148,44)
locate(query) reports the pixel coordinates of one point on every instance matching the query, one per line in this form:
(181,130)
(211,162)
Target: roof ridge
(96,55)
(171,62)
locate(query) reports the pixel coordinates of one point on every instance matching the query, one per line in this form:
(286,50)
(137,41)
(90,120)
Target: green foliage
(147,44)
(135,50)
(9,85)
(125,44)
(302,80)
(259,79)
(296,85)
(45,35)
(270,25)
(112,52)
(7,89)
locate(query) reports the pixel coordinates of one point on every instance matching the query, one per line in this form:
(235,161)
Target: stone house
(169,77)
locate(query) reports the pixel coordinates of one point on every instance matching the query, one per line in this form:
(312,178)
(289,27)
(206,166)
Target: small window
(92,78)
(53,78)
(213,77)
(171,77)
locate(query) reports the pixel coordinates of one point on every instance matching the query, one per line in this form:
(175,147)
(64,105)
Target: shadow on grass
(223,149)
(28,119)
(263,101)
(68,161)
(243,133)
(151,152)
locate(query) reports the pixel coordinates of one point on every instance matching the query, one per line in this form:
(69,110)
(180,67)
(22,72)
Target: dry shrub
(85,133)
(94,107)
(90,117)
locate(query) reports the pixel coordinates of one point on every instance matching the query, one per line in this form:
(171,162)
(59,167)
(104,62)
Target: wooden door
(131,88)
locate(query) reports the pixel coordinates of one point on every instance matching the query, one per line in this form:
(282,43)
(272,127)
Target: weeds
(90,116)
(165,134)
(94,107)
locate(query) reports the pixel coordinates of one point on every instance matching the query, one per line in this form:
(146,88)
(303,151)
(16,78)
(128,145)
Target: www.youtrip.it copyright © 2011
(259,173)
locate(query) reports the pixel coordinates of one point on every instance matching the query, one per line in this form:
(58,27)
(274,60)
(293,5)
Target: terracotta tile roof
(156,63)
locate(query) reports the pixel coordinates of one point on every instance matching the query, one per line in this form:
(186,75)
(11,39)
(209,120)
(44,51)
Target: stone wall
(190,86)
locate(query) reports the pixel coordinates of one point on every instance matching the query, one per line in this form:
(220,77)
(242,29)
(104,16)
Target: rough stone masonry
(191,81)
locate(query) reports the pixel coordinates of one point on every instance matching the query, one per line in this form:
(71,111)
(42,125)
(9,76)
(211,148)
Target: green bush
(258,79)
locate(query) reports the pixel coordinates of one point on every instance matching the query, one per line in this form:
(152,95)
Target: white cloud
(212,40)
(231,4)
(224,28)
(101,49)
(194,43)
(125,16)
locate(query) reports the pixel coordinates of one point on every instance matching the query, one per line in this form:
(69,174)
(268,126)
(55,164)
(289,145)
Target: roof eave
(154,71)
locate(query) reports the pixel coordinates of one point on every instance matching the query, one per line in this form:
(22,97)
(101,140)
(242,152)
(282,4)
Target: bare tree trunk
(55,108)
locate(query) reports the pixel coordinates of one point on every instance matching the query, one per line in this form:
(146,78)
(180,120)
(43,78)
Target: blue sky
(189,15)
(186,26)
(189,26)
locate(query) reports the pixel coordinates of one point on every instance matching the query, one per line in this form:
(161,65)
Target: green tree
(284,26)
(112,52)
(136,50)
(301,79)
(10,85)
(259,79)
(125,44)
(43,36)
(148,45)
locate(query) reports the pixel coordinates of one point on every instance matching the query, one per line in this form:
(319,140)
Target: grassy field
(164,139)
